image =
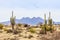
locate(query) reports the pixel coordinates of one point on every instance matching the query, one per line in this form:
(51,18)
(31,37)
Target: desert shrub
(32,30)
(42,32)
(15,32)
(48,28)
(1,26)
(25,36)
(19,24)
(20,35)
(43,29)
(26,25)
(19,31)
(30,36)
(5,29)
(15,38)
(9,31)
(52,29)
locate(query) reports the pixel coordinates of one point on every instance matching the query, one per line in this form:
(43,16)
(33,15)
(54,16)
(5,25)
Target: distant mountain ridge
(27,20)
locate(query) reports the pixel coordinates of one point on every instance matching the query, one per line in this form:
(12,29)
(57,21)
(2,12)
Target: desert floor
(26,35)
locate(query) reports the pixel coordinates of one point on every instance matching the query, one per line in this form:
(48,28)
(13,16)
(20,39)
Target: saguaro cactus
(45,22)
(50,21)
(12,20)
(49,18)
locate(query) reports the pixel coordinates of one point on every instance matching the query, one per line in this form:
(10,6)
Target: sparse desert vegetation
(22,33)
(46,31)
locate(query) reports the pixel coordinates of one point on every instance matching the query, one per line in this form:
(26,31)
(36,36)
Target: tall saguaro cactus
(12,20)
(45,22)
(50,21)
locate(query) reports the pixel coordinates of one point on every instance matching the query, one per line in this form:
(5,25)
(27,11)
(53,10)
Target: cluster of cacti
(12,20)
(49,26)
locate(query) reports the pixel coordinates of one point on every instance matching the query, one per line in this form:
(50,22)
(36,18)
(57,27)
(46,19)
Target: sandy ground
(10,36)
(24,35)
(6,36)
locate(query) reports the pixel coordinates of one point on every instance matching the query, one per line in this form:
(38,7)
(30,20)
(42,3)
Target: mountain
(30,21)
(27,20)
(56,22)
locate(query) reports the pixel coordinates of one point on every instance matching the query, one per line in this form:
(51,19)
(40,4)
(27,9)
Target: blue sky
(29,8)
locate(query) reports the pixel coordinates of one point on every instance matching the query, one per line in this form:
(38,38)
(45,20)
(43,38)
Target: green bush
(19,24)
(32,30)
(1,26)
(43,30)
(42,27)
(5,29)
(48,28)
